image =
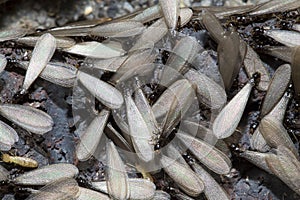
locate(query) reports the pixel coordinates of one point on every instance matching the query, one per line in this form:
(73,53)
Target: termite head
(255,78)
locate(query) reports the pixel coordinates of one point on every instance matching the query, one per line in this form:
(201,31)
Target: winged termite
(282,52)
(47,174)
(184,51)
(211,157)
(208,91)
(110,64)
(139,188)
(95,49)
(10,34)
(135,59)
(61,42)
(275,134)
(296,70)
(184,177)
(285,167)
(275,6)
(141,139)
(63,189)
(3,62)
(230,116)
(145,109)
(87,194)
(252,65)
(117,138)
(22,161)
(8,136)
(151,35)
(57,72)
(182,91)
(104,92)
(213,26)
(229,58)
(170,9)
(257,158)
(161,195)
(27,117)
(212,190)
(90,139)
(41,55)
(118,29)
(148,14)
(276,89)
(288,38)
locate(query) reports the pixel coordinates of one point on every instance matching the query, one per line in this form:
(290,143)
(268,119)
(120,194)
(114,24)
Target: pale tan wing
(61,42)
(29,118)
(276,89)
(208,91)
(296,70)
(90,139)
(253,64)
(104,92)
(207,154)
(229,58)
(63,189)
(275,134)
(184,177)
(8,136)
(95,49)
(47,174)
(170,9)
(56,72)
(117,179)
(41,55)
(230,116)
(288,38)
(139,132)
(212,190)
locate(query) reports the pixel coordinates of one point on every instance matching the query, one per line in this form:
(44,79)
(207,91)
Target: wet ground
(245,182)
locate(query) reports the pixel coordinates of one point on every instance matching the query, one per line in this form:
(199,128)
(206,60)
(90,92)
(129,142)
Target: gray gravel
(51,13)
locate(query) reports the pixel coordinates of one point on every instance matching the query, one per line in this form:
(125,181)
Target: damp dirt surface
(245,182)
